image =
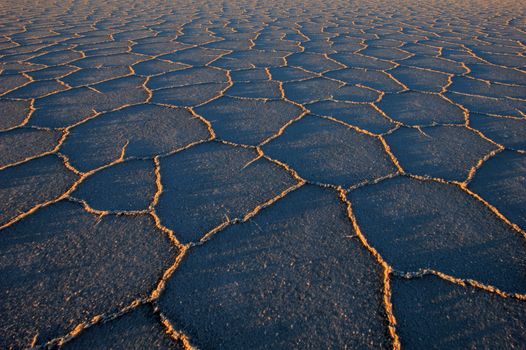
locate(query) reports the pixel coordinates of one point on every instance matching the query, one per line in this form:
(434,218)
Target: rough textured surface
(125,186)
(506,131)
(140,131)
(138,329)
(247,121)
(328,152)
(419,225)
(101,265)
(32,183)
(70,107)
(308,265)
(362,116)
(426,307)
(447,152)
(502,182)
(417,108)
(13,113)
(22,144)
(251,174)
(214,183)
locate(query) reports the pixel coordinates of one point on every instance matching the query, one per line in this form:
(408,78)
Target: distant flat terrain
(262,174)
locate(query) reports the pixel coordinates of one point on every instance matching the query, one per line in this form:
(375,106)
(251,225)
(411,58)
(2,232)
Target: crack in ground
(227,61)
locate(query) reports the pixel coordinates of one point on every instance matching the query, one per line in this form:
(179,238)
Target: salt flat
(262,175)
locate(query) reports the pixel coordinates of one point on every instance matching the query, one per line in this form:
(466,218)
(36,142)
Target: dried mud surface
(235,175)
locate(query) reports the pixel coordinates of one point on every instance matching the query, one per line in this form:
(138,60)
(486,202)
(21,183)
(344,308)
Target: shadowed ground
(262,175)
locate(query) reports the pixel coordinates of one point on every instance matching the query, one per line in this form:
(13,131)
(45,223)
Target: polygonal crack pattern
(100,264)
(127,186)
(447,152)
(137,329)
(214,183)
(137,131)
(324,151)
(308,263)
(248,121)
(262,174)
(427,305)
(419,225)
(501,181)
(417,108)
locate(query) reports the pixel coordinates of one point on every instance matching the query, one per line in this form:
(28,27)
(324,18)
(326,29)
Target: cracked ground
(262,175)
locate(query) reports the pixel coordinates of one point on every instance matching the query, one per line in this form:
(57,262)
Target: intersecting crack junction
(262,174)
